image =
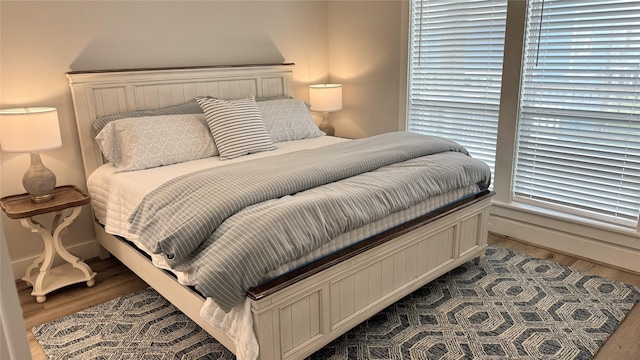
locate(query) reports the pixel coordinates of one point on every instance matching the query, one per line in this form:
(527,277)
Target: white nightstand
(66,205)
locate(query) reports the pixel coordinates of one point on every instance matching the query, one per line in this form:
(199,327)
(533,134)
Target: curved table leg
(47,278)
(60,249)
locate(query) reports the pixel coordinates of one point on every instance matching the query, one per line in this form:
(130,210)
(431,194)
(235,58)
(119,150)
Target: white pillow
(288,119)
(237,126)
(152,141)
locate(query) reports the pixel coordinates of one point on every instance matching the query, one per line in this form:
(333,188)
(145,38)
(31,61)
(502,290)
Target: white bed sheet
(116,195)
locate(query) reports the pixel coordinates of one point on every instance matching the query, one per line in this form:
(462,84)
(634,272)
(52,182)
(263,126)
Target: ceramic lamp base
(326,126)
(39,181)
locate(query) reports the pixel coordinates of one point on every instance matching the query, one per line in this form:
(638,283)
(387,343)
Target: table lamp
(32,129)
(326,98)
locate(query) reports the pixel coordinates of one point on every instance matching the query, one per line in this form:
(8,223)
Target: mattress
(116,195)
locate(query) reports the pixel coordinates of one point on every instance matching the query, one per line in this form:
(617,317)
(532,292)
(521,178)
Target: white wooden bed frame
(294,321)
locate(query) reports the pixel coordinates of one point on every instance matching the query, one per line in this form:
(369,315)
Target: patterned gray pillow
(152,141)
(190,107)
(237,126)
(288,119)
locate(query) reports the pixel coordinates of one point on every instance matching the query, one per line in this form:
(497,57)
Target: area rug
(510,306)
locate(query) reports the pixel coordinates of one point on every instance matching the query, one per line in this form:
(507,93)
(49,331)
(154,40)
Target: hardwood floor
(114,280)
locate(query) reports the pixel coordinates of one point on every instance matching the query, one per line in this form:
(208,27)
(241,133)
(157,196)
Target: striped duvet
(225,230)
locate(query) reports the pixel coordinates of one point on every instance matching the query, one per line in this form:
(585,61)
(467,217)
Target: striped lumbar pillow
(237,126)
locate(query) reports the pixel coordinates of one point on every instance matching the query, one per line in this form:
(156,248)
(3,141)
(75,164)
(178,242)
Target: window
(579,114)
(455,71)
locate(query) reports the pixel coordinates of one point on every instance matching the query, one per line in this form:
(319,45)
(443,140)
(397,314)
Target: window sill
(561,216)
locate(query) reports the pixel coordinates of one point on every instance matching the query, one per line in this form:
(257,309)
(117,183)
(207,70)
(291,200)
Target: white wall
(41,40)
(367,54)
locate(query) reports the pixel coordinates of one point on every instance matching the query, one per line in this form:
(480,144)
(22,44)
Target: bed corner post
(265,330)
(483,231)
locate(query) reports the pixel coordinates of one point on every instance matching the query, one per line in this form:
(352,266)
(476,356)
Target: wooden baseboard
(614,249)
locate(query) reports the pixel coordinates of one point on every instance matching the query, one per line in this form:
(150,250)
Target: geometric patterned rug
(510,306)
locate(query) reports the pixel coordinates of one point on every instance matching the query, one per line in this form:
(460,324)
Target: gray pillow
(288,119)
(152,141)
(190,107)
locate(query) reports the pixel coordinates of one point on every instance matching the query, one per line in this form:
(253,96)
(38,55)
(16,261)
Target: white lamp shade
(29,129)
(325,97)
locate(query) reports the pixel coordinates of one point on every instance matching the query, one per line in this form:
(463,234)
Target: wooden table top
(20,206)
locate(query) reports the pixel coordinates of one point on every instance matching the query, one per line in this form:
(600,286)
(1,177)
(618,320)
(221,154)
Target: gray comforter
(227,227)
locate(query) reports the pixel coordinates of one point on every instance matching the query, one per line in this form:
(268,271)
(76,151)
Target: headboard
(100,93)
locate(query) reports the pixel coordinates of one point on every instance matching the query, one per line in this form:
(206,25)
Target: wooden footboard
(301,318)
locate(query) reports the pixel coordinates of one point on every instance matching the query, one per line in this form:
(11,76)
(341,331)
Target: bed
(304,305)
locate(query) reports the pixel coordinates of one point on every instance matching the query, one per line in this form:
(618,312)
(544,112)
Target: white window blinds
(455,71)
(579,122)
